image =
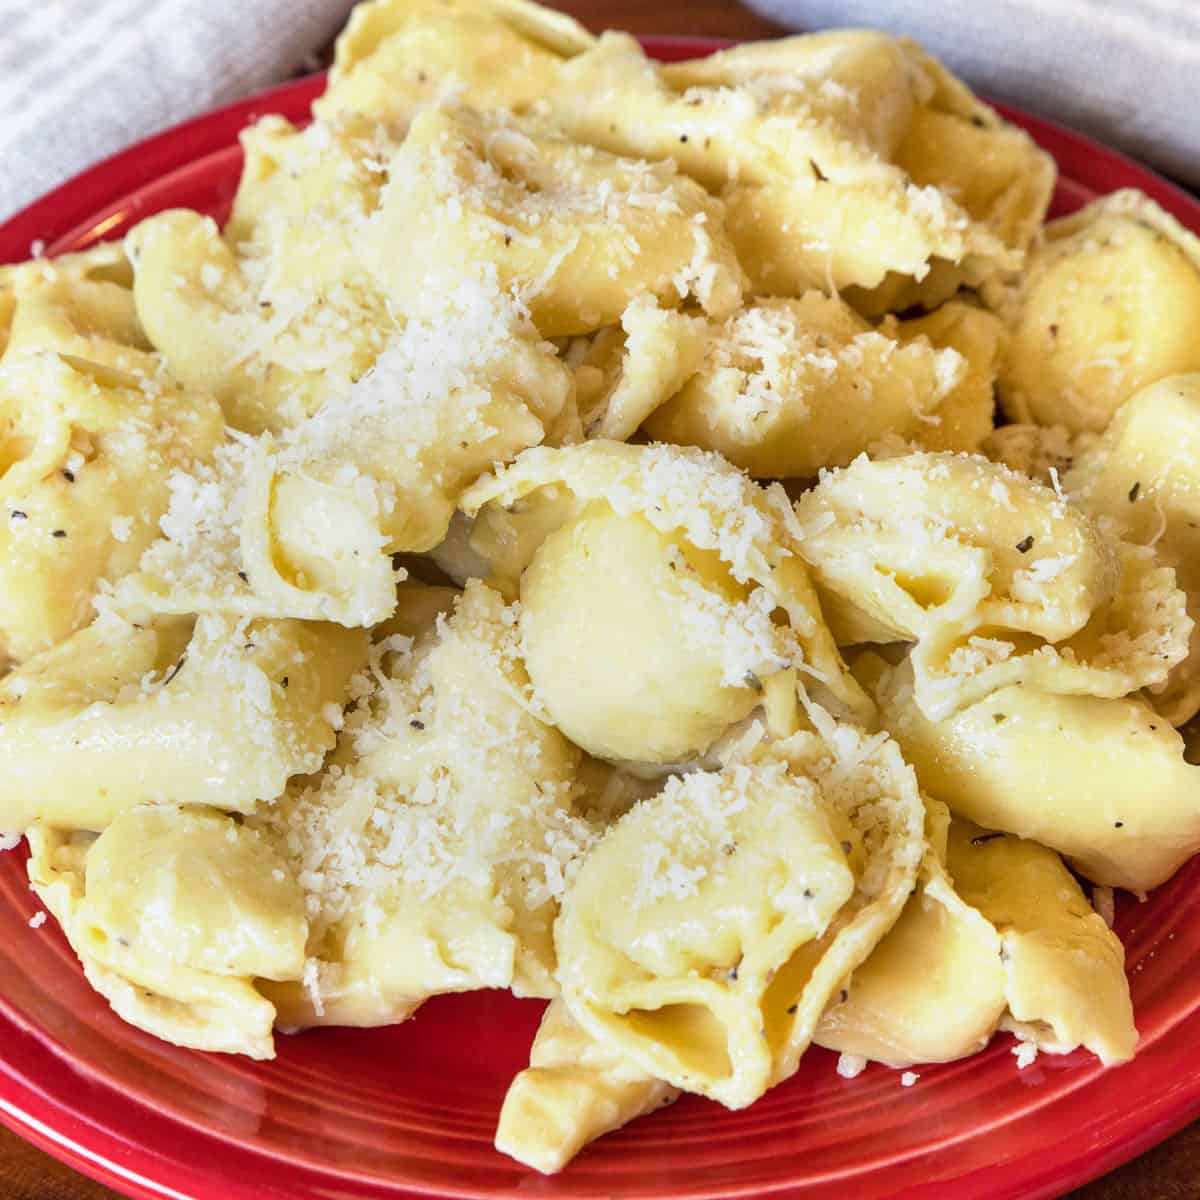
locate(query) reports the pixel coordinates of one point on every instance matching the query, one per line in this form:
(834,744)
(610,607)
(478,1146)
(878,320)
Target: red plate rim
(1166,1081)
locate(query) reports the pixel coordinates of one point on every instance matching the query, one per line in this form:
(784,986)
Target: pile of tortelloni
(526,548)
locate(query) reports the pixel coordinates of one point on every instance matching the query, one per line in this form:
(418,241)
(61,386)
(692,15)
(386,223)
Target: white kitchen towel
(1125,71)
(80,79)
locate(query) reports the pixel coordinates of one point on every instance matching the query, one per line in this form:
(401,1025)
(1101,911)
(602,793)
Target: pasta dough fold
(433,849)
(995,578)
(118,714)
(173,914)
(1102,310)
(723,605)
(750,894)
(1017,761)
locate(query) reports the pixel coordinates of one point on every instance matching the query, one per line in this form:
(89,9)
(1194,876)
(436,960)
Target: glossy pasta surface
(684,542)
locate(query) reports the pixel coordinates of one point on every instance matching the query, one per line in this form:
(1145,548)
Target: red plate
(410,1111)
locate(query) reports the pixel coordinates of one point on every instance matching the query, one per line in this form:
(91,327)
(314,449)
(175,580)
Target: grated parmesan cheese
(850,1066)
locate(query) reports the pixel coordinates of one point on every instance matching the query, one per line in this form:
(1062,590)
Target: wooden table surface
(1169,1172)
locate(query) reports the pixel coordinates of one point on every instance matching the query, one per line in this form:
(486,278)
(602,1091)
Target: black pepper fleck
(1118,824)
(1025,544)
(283,683)
(792,1008)
(818,174)
(417,724)
(18,515)
(1133,491)
(683,137)
(69,476)
(59,533)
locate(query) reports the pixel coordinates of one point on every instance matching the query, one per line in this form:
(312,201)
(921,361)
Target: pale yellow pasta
(1102,781)
(1064,968)
(175,914)
(1142,478)
(575,1089)
(965,417)
(993,170)
(893,1011)
(396,55)
(676,563)
(579,231)
(791,386)
(303,525)
(389,606)
(119,714)
(748,896)
(994,577)
(630,371)
(433,849)
(271,346)
(804,137)
(1104,308)
(1005,939)
(90,432)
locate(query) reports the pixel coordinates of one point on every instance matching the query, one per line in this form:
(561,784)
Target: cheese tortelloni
(175,913)
(1103,309)
(791,386)
(751,893)
(964,419)
(271,335)
(994,577)
(434,848)
(1065,983)
(994,171)
(578,231)
(121,714)
(998,934)
(933,989)
(628,371)
(697,607)
(800,136)
(1102,781)
(1142,478)
(396,55)
(86,452)
(304,525)
(575,1089)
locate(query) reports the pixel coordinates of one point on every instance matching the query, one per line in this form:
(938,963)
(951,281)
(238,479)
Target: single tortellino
(933,989)
(175,915)
(790,386)
(1102,781)
(966,416)
(272,335)
(434,848)
(683,573)
(995,578)
(1064,968)
(396,55)
(629,370)
(1142,478)
(122,714)
(579,232)
(1106,306)
(998,934)
(992,169)
(749,895)
(808,140)
(304,525)
(575,1089)
(87,446)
